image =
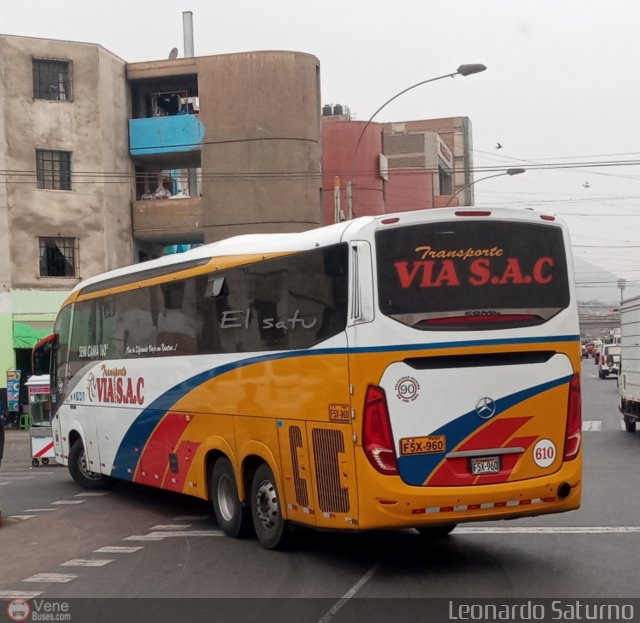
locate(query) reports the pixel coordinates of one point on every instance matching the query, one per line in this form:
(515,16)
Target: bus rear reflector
(377,438)
(573,435)
(472,213)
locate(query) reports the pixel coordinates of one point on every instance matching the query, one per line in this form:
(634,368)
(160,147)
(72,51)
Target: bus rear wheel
(436,532)
(630,426)
(230,514)
(271,528)
(80,472)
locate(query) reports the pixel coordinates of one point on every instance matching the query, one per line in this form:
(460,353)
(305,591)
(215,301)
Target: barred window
(51,79)
(58,257)
(53,169)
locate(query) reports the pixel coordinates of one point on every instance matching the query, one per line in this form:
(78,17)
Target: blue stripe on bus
(415,469)
(136,437)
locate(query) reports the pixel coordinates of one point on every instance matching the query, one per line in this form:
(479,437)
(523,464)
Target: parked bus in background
(413,370)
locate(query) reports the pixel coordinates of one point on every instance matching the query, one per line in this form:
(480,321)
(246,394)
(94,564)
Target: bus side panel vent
(173,463)
(295,441)
(328,444)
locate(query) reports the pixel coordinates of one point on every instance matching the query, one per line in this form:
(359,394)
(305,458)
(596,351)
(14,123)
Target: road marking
(82,562)
(39,510)
(593,425)
(551,530)
(349,594)
(54,578)
(192,518)
(182,533)
(172,527)
(19,594)
(158,536)
(4,483)
(623,426)
(61,502)
(91,494)
(117,549)
(22,517)
(13,478)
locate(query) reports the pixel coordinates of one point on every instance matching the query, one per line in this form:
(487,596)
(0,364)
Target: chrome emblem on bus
(486,408)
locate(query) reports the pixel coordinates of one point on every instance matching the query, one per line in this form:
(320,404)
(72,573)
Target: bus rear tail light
(377,438)
(573,435)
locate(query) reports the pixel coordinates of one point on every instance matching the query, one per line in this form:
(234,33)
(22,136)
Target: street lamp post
(507,172)
(622,284)
(463,70)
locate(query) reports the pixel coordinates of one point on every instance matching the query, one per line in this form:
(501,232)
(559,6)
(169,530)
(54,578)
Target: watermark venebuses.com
(20,610)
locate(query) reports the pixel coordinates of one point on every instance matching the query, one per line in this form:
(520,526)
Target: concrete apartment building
(63,143)
(104,163)
(244,145)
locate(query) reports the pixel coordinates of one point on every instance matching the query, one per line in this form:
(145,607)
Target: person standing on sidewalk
(1,432)
(1,436)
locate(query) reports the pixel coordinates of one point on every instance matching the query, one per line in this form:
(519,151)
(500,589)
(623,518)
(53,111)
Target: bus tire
(271,528)
(436,532)
(630,426)
(80,472)
(231,516)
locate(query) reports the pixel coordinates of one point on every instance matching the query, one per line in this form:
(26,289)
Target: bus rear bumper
(401,505)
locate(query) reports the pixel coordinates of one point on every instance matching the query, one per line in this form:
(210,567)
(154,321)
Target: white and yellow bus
(413,370)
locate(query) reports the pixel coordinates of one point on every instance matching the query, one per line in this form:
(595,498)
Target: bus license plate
(485,465)
(423,445)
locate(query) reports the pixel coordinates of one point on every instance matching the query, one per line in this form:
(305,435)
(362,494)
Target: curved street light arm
(488,177)
(463,70)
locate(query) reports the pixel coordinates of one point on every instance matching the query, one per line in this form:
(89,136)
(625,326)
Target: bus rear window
(472,275)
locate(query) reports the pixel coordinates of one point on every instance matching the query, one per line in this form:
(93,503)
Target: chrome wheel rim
(84,467)
(267,505)
(225,498)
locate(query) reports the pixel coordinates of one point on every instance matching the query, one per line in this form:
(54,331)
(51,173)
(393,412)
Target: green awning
(28,335)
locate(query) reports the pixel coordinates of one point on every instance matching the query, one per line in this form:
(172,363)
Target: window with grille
(53,169)
(51,79)
(58,257)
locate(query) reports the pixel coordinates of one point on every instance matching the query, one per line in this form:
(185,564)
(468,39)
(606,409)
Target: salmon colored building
(378,168)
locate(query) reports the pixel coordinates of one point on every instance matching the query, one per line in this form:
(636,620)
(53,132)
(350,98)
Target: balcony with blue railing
(165,135)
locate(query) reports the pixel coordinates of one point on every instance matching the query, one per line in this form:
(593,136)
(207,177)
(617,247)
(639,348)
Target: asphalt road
(138,542)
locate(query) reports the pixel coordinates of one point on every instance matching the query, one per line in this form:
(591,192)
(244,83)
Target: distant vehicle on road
(609,362)
(629,379)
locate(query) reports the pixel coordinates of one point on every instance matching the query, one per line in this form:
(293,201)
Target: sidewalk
(17,448)
(17,451)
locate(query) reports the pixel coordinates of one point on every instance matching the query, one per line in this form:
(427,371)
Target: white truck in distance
(629,376)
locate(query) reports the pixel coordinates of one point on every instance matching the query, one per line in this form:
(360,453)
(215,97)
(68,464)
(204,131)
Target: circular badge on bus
(544,453)
(407,388)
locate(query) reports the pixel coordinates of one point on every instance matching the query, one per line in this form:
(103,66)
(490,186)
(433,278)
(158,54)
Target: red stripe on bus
(174,481)
(154,460)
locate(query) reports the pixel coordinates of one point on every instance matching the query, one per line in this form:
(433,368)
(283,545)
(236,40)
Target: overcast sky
(562,84)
